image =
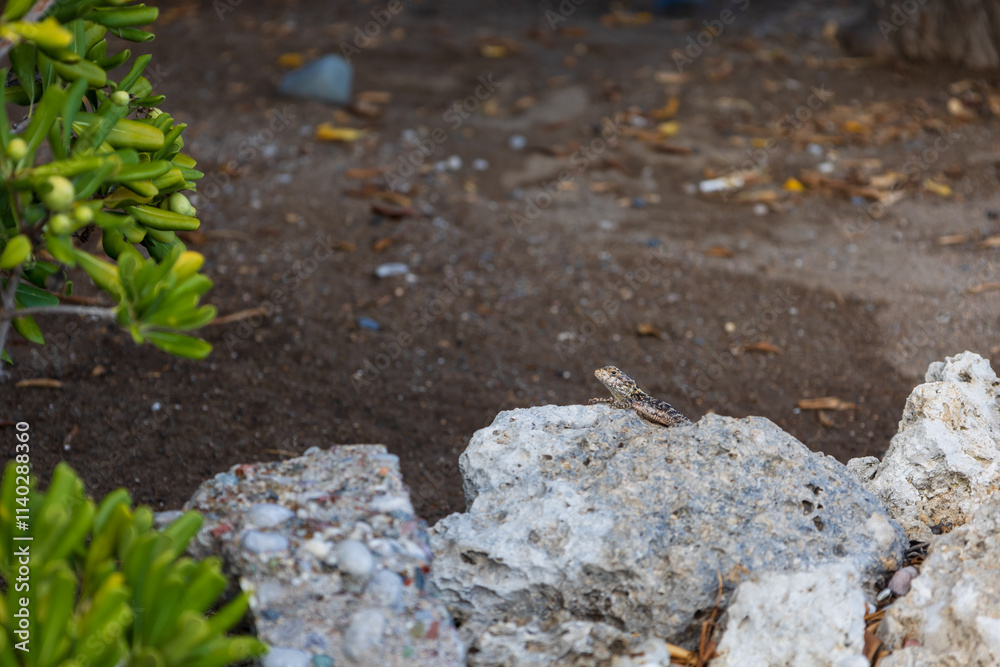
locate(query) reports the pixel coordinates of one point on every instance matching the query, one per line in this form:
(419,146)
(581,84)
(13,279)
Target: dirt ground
(521,282)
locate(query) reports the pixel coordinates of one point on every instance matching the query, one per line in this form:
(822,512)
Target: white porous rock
(800,618)
(588,529)
(945,459)
(953,609)
(338,576)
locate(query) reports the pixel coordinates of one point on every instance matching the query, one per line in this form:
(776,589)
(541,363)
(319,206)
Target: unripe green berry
(17,148)
(83,214)
(57,193)
(120,98)
(59,224)
(181,205)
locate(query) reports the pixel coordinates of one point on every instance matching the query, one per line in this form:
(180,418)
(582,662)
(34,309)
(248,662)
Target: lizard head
(620,385)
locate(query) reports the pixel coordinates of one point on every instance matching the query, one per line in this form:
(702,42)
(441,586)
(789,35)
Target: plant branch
(83,311)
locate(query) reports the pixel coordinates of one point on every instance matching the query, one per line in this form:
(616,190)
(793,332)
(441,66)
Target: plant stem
(84,311)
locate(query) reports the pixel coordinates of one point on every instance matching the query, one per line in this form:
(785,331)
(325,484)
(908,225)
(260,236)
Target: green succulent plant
(97,586)
(91,154)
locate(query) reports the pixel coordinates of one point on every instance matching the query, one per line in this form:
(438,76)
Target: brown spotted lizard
(626,394)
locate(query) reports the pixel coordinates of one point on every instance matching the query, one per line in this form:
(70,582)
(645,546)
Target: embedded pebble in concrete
(354,558)
(286,657)
(268,515)
(258,542)
(364,633)
(347,585)
(386,588)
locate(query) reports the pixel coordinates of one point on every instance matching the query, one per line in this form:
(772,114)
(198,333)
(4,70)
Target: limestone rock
(945,459)
(588,527)
(347,585)
(800,618)
(953,608)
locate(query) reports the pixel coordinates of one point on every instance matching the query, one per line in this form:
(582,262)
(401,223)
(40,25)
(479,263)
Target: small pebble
(322,661)
(392,269)
(368,323)
(454,163)
(900,582)
(285,657)
(517,142)
(825,167)
(364,633)
(386,588)
(267,515)
(638,202)
(479,164)
(388,504)
(156,407)
(318,548)
(883,595)
(258,542)
(760,209)
(354,558)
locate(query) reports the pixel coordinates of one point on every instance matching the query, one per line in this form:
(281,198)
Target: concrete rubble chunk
(944,461)
(589,529)
(349,585)
(951,615)
(799,618)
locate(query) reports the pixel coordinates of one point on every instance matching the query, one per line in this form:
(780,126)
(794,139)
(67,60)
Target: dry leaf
(45,383)
(990,242)
(493,51)
(668,111)
(374,96)
(825,403)
(290,60)
(647,329)
(383,243)
(363,173)
(397,198)
(346,246)
(872,644)
(794,185)
(957,109)
(672,78)
(935,187)
(761,346)
(983,287)
(97,371)
(668,129)
(327,132)
(719,251)
(391,211)
(952,239)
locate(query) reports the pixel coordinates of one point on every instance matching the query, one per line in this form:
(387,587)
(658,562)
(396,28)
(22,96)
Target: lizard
(626,394)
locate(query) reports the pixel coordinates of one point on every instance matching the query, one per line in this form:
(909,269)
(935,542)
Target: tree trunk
(964,32)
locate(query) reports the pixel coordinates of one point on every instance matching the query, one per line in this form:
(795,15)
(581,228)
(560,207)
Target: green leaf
(27,327)
(15,9)
(74,98)
(53,642)
(61,247)
(44,116)
(138,67)
(179,344)
(30,296)
(123,17)
(92,73)
(22,60)
(134,35)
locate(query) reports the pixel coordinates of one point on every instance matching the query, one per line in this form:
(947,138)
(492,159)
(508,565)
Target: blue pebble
(327,79)
(638,202)
(654,243)
(368,323)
